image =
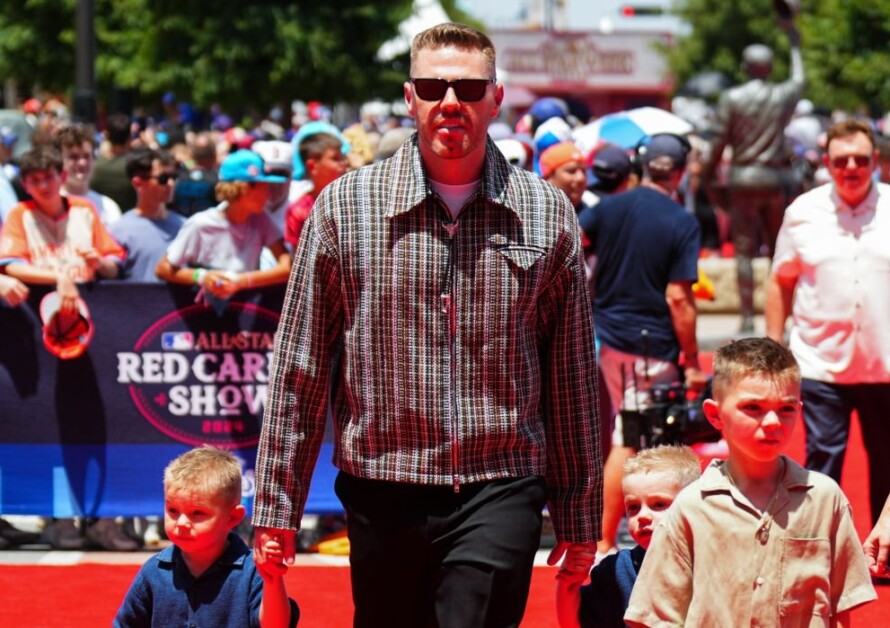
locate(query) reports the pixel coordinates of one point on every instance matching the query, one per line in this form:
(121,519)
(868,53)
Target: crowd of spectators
(176,198)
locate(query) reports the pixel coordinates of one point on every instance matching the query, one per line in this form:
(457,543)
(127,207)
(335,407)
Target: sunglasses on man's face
(466,90)
(861,161)
(163,179)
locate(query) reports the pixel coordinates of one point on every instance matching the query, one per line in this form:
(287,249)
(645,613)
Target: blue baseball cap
(246,165)
(313,128)
(7,136)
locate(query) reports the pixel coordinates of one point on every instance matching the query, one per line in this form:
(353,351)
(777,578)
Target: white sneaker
(152,535)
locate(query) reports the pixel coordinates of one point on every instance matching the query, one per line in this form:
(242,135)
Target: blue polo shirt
(165,594)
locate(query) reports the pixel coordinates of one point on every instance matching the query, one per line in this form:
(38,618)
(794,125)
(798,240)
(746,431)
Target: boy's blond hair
(230,190)
(208,471)
(677,459)
(753,356)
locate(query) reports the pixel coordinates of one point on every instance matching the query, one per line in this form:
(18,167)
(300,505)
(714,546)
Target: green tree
(844,44)
(237,53)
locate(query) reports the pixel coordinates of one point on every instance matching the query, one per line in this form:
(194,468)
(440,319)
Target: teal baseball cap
(246,165)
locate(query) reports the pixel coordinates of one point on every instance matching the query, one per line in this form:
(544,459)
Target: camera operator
(647,246)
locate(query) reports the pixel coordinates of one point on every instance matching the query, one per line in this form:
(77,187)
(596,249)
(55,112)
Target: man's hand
(877,544)
(695,378)
(271,565)
(274,545)
(578,560)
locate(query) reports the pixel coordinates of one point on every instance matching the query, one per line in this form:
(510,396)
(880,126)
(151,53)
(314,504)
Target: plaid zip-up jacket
(454,352)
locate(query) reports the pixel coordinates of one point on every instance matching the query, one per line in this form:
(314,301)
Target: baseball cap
(664,152)
(276,155)
(610,166)
(312,128)
(545,108)
(246,165)
(558,155)
(513,151)
(66,336)
(553,131)
(7,136)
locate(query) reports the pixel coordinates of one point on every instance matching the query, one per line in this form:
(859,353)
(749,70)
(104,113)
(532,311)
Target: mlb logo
(177,341)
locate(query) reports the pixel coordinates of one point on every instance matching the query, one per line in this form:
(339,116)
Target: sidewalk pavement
(715,330)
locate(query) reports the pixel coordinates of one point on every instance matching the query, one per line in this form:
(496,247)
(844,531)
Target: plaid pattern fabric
(461,352)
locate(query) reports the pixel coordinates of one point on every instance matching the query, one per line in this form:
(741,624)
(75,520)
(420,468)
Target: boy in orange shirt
(54,239)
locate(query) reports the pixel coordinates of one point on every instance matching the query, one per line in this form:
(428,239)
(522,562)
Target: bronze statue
(751,118)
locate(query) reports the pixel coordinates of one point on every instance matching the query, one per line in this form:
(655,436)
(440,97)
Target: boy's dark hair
(141,160)
(74,136)
(203,149)
(314,146)
(753,356)
(41,159)
(117,129)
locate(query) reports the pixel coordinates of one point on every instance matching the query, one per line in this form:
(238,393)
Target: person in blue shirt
(652,479)
(208,577)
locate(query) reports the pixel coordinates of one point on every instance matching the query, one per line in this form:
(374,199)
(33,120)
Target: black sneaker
(14,536)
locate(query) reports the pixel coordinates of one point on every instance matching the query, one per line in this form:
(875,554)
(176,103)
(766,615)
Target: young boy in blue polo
(651,481)
(758,540)
(208,576)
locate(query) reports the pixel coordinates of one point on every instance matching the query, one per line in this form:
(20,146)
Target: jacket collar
(406,165)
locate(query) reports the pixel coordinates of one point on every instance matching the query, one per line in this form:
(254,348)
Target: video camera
(667,417)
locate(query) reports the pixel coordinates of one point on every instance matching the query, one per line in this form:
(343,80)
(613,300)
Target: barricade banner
(91,436)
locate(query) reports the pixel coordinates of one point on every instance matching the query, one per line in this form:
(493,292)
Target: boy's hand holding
(286,541)
(568,602)
(578,560)
(270,561)
(68,293)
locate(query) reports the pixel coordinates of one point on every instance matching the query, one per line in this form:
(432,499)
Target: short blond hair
(230,190)
(206,470)
(763,357)
(451,35)
(679,460)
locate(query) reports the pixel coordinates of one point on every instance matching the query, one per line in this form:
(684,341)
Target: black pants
(424,556)
(826,413)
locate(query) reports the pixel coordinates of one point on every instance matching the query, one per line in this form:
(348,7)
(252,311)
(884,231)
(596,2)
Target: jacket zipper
(450,312)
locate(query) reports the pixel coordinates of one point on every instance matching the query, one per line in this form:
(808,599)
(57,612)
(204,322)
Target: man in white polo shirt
(831,272)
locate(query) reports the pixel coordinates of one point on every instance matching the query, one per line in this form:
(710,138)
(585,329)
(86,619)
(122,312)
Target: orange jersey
(30,236)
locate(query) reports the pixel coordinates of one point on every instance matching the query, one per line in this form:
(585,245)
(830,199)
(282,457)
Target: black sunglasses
(467,90)
(163,179)
(841,162)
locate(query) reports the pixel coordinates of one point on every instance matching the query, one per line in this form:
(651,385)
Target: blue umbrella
(627,128)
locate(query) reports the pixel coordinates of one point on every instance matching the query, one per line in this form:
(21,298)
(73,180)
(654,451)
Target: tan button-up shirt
(706,565)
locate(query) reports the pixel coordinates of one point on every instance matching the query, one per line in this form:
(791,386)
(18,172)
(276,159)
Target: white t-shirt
(209,240)
(455,196)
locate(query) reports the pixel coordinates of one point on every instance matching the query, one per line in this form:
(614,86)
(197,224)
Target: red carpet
(85,596)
